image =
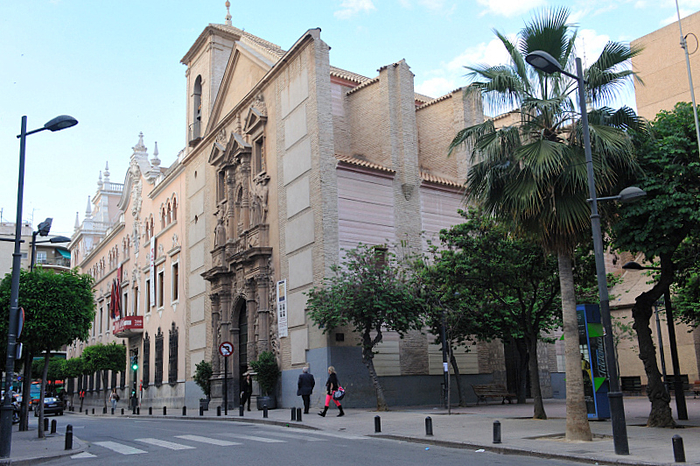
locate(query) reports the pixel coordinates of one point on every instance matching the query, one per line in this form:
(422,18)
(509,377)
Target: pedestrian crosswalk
(191,442)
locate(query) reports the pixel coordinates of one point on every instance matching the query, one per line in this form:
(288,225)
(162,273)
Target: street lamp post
(681,407)
(548,64)
(57,124)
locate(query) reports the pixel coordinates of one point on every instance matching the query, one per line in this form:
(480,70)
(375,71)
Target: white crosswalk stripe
(254,438)
(211,441)
(165,444)
(297,437)
(121,448)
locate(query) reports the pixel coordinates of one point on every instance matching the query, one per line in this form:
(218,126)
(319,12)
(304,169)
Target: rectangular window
(99,329)
(148,297)
(159,290)
(175,281)
(221,187)
(258,161)
(41,257)
(136,302)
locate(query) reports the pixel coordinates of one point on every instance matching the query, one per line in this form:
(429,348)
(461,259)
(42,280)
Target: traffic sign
(226,349)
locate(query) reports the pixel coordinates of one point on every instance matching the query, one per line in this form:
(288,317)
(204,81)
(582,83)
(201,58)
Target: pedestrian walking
(246,389)
(332,385)
(114,397)
(305,387)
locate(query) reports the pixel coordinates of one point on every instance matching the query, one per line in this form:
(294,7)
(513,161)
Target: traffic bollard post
(294,414)
(241,410)
(377,424)
(265,411)
(678,450)
(496,432)
(53,426)
(184,410)
(69,437)
(298,414)
(428,426)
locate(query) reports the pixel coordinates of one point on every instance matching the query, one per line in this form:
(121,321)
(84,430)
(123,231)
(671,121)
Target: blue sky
(115,66)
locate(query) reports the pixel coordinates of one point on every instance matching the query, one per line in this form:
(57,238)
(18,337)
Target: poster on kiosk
(593,364)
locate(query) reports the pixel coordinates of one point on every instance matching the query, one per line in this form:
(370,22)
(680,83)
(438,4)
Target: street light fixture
(681,408)
(546,63)
(56,124)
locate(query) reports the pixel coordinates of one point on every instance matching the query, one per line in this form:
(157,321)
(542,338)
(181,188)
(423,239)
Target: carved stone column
(225,322)
(245,202)
(263,311)
(252,307)
(215,319)
(231,226)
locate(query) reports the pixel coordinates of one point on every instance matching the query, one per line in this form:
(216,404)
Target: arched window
(169,214)
(174,208)
(162,218)
(197,109)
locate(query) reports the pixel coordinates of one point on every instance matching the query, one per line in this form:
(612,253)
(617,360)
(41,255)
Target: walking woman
(331,386)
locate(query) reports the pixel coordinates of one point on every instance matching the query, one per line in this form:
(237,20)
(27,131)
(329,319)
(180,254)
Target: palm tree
(534,173)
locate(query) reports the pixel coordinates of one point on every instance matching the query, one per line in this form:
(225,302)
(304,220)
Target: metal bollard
(294,414)
(122,411)
(377,424)
(241,410)
(265,411)
(496,432)
(93,410)
(112,411)
(428,426)
(87,412)
(678,450)
(165,411)
(201,410)
(46,424)
(150,410)
(53,426)
(138,410)
(69,437)
(104,410)
(298,414)
(218,410)
(184,410)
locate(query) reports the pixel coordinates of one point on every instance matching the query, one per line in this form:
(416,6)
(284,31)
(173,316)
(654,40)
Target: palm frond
(547,31)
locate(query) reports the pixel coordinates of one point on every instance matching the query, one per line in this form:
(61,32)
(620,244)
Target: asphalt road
(116,441)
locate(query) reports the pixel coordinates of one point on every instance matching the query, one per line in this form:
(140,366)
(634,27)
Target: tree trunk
(40,406)
(105,376)
(660,415)
(535,379)
(455,369)
(368,360)
(26,392)
(577,427)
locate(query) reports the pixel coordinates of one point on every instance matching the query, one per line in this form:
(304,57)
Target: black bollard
(112,411)
(496,432)
(93,410)
(133,410)
(150,410)
(265,411)
(138,410)
(184,410)
(201,410)
(298,414)
(104,410)
(122,411)
(294,414)
(377,424)
(69,437)
(678,450)
(53,426)
(428,426)
(87,412)
(218,410)
(241,410)
(46,424)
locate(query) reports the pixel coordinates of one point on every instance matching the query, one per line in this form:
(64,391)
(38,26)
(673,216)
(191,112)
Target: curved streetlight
(681,406)
(546,63)
(56,124)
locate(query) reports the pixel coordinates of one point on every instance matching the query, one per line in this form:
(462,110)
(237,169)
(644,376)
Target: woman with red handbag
(332,385)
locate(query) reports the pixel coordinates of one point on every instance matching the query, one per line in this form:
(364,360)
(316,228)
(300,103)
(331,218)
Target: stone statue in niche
(259,200)
(219,233)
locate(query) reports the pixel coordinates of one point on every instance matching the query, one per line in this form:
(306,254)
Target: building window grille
(159,359)
(145,376)
(172,355)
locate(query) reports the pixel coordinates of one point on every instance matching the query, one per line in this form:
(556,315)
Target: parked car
(52,405)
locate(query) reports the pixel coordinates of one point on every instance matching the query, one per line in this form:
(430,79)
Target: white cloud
(589,44)
(350,8)
(436,87)
(510,8)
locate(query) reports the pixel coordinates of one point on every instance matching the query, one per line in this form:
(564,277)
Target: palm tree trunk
(368,360)
(577,428)
(534,367)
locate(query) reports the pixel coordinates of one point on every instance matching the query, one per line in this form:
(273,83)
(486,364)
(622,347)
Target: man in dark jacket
(306,387)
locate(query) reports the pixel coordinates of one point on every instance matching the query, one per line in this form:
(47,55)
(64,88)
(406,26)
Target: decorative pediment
(217,152)
(257,117)
(237,145)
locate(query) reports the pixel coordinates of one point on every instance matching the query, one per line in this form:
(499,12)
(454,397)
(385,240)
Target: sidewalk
(470,428)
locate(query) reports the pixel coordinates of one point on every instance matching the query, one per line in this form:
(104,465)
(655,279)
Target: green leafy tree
(202,377)
(534,172)
(659,226)
(509,285)
(73,369)
(104,358)
(369,292)
(59,309)
(266,372)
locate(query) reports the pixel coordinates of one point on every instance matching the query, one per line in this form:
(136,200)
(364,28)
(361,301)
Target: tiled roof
(362,163)
(349,75)
(425,176)
(273,49)
(363,85)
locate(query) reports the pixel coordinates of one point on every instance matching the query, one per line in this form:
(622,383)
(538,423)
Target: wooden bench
(631,385)
(483,392)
